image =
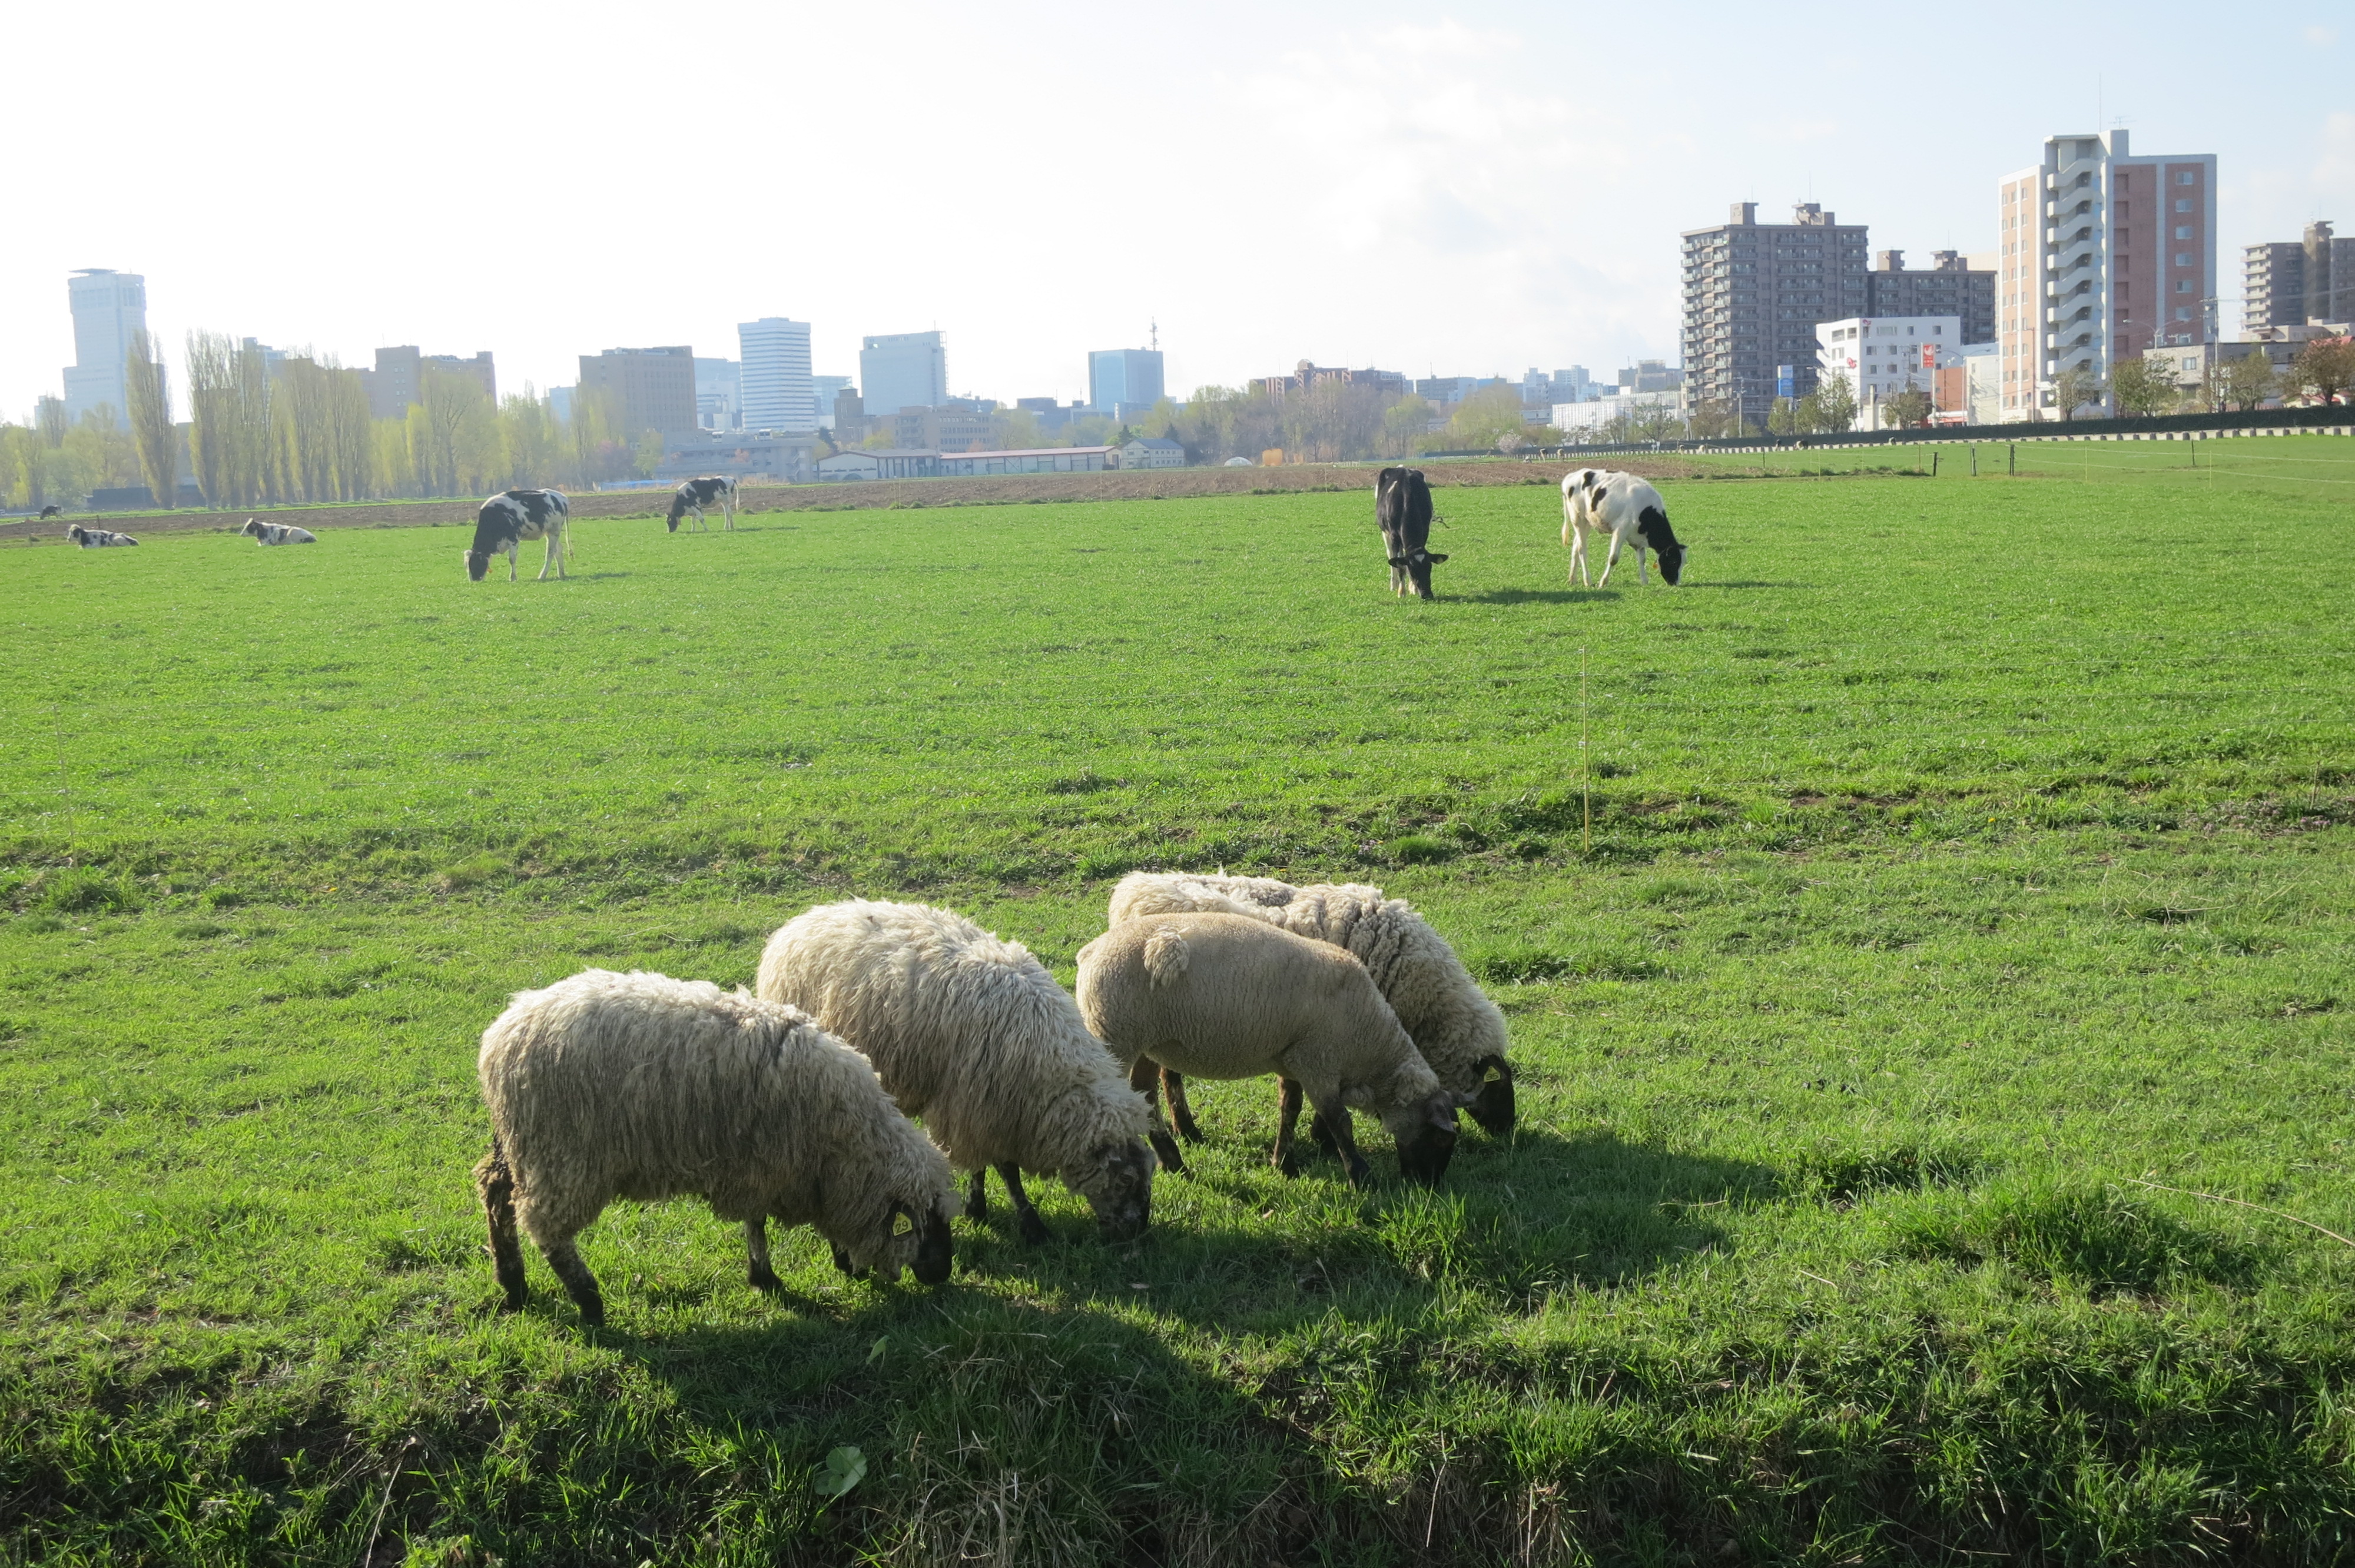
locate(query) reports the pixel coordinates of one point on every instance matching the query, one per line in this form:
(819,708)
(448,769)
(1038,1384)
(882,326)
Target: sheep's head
(1424,1131)
(914,1235)
(1116,1178)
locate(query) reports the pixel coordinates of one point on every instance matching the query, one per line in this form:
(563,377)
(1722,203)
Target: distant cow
(48,512)
(1402,509)
(698,493)
(262,532)
(508,519)
(97,538)
(1598,500)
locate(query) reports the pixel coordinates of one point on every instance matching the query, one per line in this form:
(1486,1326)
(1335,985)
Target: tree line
(300,430)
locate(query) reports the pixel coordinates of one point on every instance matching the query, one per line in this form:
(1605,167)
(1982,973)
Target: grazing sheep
(1458,1030)
(265,534)
(610,1086)
(974,1035)
(98,538)
(1226,996)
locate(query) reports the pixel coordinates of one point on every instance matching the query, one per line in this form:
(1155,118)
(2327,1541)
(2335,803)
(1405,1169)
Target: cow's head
(1672,563)
(477,563)
(678,510)
(1417,565)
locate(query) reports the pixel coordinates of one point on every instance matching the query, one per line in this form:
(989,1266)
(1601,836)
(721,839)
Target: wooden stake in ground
(1585,795)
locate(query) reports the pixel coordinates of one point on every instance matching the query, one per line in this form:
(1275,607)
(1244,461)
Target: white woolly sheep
(974,1035)
(1226,996)
(1458,1030)
(638,1085)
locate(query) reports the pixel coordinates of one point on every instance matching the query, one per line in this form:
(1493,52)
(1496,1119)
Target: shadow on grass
(1744,583)
(1535,596)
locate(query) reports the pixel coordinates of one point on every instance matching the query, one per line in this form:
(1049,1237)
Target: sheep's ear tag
(903,1221)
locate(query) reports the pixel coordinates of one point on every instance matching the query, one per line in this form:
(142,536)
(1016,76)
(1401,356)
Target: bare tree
(2074,388)
(212,392)
(150,412)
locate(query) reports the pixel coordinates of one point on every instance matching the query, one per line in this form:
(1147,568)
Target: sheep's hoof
(1033,1229)
(1361,1175)
(1165,1150)
(1190,1133)
(592,1314)
(764,1279)
(1284,1164)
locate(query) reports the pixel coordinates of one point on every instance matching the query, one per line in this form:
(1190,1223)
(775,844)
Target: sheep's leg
(842,1260)
(976,1202)
(756,1247)
(1287,1116)
(1320,1128)
(497,1184)
(1173,1083)
(1144,1077)
(1033,1228)
(1336,1118)
(565,1259)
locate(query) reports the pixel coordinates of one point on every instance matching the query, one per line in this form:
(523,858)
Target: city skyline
(1449,200)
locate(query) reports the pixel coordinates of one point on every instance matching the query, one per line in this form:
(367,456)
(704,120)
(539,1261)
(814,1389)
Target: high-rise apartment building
(902,370)
(655,387)
(720,394)
(779,393)
(2104,255)
(108,309)
(1951,287)
(1119,376)
(2292,283)
(1753,293)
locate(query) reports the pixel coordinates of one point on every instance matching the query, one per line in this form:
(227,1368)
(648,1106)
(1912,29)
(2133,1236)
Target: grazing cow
(97,538)
(507,519)
(262,532)
(696,494)
(1402,510)
(48,512)
(1596,500)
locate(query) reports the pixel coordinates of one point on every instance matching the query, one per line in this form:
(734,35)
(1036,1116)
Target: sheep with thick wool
(972,1035)
(1227,996)
(1452,1021)
(638,1085)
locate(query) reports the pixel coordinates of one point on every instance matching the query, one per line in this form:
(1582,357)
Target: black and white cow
(717,489)
(1402,510)
(97,538)
(48,512)
(1598,500)
(507,519)
(262,532)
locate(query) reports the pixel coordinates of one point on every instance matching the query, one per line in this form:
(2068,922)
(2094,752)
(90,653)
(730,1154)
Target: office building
(652,388)
(110,308)
(1951,287)
(902,370)
(780,394)
(2290,284)
(941,429)
(1753,294)
(397,381)
(718,395)
(1307,374)
(1118,377)
(2104,255)
(1879,357)
(825,389)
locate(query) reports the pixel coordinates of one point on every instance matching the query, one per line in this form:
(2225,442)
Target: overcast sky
(1458,191)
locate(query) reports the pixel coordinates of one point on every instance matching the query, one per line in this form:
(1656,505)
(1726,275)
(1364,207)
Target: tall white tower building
(108,308)
(776,390)
(2104,255)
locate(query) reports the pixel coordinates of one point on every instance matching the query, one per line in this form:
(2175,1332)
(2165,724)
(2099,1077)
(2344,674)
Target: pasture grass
(1952,858)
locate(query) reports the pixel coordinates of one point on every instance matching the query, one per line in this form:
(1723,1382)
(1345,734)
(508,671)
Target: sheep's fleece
(1227,996)
(972,1035)
(638,1085)
(1458,1030)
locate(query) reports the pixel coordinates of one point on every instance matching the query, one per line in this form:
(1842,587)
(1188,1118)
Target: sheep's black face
(934,1250)
(1492,1105)
(477,563)
(1430,1143)
(1118,1185)
(1672,563)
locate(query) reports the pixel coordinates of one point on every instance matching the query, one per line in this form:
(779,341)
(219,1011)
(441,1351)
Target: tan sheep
(1458,1030)
(974,1035)
(638,1085)
(1226,996)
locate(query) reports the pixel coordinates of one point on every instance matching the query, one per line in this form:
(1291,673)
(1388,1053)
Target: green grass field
(1957,856)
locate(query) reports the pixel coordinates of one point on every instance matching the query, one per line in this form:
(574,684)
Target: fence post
(1934,462)
(1975,459)
(2012,463)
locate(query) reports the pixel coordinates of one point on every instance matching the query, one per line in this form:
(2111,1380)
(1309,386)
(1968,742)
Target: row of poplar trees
(301,432)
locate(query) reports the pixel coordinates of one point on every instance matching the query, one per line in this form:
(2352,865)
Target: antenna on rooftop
(1154,331)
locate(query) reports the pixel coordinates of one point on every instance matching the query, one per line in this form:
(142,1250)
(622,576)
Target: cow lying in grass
(268,534)
(97,538)
(1598,500)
